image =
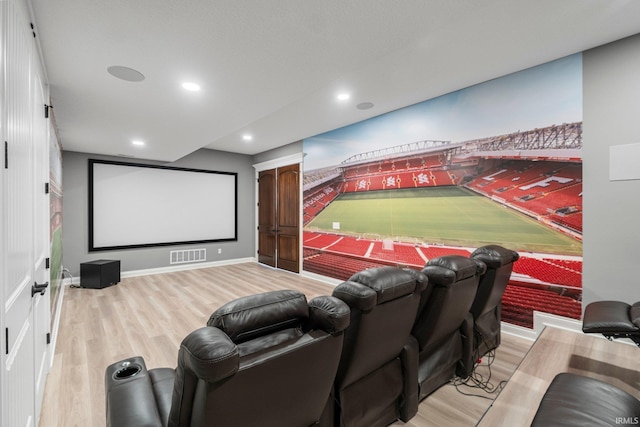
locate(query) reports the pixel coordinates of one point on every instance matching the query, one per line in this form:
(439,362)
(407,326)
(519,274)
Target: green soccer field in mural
(448,215)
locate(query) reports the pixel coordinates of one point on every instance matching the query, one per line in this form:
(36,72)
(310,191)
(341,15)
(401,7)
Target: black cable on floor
(476,380)
(66,270)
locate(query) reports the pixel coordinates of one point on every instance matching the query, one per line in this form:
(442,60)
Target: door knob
(39,288)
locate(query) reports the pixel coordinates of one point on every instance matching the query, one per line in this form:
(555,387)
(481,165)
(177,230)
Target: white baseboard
(56,324)
(540,321)
(168,269)
(184,267)
(321,278)
(518,331)
(68,281)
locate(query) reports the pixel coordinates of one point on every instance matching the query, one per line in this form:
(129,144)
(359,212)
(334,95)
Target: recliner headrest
(495,256)
(257,315)
(389,282)
(448,269)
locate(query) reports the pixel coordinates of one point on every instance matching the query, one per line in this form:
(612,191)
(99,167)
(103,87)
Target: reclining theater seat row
(230,373)
(364,357)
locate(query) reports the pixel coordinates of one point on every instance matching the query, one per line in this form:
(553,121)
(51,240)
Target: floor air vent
(187,255)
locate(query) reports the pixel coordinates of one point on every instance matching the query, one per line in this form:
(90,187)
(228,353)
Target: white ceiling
(273,68)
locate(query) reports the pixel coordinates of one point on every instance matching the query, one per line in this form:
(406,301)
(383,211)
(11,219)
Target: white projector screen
(136,205)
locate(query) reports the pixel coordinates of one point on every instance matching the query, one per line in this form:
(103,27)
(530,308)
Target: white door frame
(273,164)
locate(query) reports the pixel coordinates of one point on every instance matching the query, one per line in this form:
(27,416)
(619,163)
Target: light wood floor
(557,350)
(150,315)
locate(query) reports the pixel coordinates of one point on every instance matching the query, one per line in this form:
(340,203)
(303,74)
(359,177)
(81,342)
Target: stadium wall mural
(55,212)
(496,163)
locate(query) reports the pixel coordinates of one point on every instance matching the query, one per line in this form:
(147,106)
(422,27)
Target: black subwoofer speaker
(99,274)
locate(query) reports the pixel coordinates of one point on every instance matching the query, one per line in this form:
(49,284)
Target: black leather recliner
(576,401)
(444,326)
(263,360)
(613,319)
(486,308)
(376,381)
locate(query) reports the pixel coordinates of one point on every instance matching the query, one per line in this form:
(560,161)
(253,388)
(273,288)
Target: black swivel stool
(99,274)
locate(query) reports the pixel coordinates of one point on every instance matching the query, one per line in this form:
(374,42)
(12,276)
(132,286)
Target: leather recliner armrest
(209,354)
(467,362)
(495,256)
(410,389)
(356,295)
(329,314)
(130,401)
(205,354)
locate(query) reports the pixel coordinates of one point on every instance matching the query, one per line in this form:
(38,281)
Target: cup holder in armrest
(127,370)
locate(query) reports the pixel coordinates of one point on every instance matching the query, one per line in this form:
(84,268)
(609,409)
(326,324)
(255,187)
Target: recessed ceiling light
(364,105)
(125,73)
(190,86)
(343,96)
(137,142)
(247,137)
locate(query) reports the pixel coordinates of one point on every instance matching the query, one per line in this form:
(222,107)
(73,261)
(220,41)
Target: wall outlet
(219,250)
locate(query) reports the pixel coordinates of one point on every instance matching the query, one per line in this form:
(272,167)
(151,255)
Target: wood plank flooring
(150,315)
(557,350)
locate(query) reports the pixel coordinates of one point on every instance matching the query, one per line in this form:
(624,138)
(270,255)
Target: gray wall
(276,153)
(611,208)
(75,212)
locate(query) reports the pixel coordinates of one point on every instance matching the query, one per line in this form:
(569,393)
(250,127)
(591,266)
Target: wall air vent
(187,255)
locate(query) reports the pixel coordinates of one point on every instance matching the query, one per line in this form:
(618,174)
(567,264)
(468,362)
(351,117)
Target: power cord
(478,381)
(70,276)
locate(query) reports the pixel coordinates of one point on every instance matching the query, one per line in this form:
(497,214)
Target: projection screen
(137,205)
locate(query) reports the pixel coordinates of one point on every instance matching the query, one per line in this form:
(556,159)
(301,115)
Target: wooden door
(267,217)
(279,217)
(288,218)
